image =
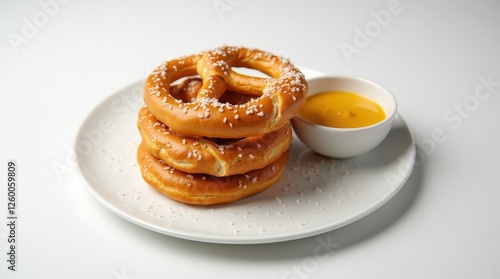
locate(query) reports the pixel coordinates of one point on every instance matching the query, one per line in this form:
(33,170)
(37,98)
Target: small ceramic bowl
(345,143)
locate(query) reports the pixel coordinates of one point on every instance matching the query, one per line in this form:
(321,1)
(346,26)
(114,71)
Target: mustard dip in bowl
(345,116)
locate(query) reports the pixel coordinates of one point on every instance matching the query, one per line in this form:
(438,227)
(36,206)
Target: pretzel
(274,100)
(204,189)
(218,157)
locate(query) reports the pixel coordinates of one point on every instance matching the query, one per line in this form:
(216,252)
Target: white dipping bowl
(343,143)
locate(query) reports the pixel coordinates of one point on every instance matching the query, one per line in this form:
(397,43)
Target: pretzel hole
(234,98)
(186,88)
(250,72)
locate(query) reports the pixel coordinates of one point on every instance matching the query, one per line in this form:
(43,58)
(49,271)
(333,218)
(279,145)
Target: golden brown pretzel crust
(200,155)
(204,189)
(276,99)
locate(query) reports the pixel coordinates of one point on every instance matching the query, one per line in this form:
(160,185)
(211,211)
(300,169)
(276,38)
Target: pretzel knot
(270,102)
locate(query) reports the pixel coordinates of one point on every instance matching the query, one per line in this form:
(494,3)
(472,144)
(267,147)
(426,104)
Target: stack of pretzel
(211,135)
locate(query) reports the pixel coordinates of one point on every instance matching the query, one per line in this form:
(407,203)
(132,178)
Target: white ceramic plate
(315,194)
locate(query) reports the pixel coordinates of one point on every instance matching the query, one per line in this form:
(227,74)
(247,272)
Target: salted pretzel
(218,157)
(202,189)
(274,100)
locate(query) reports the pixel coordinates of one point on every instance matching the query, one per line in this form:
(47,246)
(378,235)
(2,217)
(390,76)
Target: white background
(59,60)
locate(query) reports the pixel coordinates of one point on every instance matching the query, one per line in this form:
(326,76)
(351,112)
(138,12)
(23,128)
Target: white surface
(315,194)
(433,55)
